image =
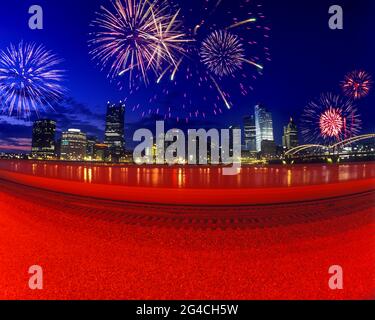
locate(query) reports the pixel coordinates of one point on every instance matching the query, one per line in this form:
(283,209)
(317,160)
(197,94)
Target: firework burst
(331,123)
(30,79)
(212,76)
(137,35)
(222,53)
(330,119)
(357,84)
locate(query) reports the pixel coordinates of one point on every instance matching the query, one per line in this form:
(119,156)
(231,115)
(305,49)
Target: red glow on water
(192,176)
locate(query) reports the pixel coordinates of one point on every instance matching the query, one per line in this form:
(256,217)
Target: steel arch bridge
(295,151)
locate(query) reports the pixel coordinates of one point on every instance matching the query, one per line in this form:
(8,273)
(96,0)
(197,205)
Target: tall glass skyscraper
(43,139)
(114,130)
(250,133)
(264,126)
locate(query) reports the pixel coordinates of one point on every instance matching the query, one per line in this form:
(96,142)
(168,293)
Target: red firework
(330,119)
(357,84)
(331,123)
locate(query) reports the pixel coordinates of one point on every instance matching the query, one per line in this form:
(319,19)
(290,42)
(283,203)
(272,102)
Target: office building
(114,130)
(101,152)
(43,139)
(290,137)
(268,149)
(250,134)
(58,149)
(91,142)
(73,145)
(264,126)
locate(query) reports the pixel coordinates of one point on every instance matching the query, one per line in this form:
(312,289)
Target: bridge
(326,150)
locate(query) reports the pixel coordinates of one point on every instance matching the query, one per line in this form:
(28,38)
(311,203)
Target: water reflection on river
(195,177)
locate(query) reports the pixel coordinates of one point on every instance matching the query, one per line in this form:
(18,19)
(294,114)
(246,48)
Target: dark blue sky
(307,59)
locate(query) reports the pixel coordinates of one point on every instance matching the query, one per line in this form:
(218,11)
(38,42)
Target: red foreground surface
(191,247)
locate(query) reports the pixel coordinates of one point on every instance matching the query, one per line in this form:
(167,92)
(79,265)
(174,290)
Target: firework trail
(30,79)
(330,119)
(135,37)
(217,69)
(357,84)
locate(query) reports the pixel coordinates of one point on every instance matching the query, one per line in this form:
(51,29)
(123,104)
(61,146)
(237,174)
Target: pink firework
(329,119)
(357,84)
(331,123)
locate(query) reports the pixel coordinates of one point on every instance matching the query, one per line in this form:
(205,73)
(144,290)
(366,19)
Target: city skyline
(114,127)
(45,142)
(256,129)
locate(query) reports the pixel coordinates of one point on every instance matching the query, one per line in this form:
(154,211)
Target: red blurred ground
(98,250)
(193,185)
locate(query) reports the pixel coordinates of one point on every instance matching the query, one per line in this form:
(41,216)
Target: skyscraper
(73,145)
(250,134)
(91,142)
(264,126)
(268,148)
(114,130)
(101,152)
(43,139)
(290,137)
(233,136)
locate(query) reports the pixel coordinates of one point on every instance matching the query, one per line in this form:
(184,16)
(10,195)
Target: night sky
(307,59)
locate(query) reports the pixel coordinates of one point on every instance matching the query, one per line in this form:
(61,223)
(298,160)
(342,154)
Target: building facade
(268,149)
(73,145)
(250,134)
(91,142)
(101,152)
(114,130)
(290,137)
(264,126)
(43,139)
